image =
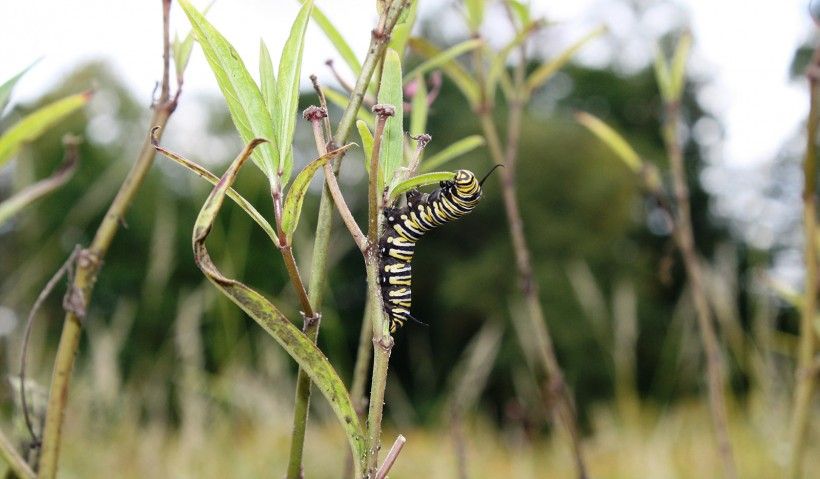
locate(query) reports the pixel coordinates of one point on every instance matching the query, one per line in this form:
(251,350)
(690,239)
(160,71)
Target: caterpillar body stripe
(405,226)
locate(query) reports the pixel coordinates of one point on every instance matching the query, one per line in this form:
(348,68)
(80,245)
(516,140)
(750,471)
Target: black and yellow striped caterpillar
(405,226)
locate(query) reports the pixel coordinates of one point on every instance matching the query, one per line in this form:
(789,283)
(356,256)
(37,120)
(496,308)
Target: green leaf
(419,108)
(461,147)
(182,49)
(475,14)
(287,87)
(341,101)
(245,103)
(36,123)
(547,70)
(612,139)
(499,63)
(32,193)
(403,29)
(420,180)
(7,87)
(211,178)
(662,75)
(677,74)
(292,340)
(391,93)
(463,80)
(447,56)
(337,40)
(297,191)
(268,79)
(521,11)
(367,143)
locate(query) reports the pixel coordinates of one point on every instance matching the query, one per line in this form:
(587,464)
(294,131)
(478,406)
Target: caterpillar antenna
(417,321)
(481,183)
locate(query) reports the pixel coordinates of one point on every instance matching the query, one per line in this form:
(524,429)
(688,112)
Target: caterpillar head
(466,183)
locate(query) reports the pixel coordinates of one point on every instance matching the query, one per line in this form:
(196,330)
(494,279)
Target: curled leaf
(297,191)
(297,345)
(420,180)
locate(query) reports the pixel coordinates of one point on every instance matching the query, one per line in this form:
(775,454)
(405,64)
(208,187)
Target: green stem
(378,45)
(806,375)
(382,346)
(15,461)
(89,263)
(686,244)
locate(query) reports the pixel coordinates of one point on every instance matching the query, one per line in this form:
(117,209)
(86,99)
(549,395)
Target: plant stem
(15,461)
(378,45)
(391,457)
(806,374)
(89,263)
(686,243)
(362,366)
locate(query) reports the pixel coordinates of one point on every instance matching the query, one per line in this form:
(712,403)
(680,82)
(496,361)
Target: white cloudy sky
(744,47)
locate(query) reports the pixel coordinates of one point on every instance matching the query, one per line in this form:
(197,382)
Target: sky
(742,48)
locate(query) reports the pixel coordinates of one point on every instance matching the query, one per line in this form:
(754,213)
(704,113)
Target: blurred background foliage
(158,335)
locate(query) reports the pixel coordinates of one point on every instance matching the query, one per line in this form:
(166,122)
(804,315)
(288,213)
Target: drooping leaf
(211,178)
(444,57)
(267,79)
(31,193)
(292,340)
(461,147)
(420,180)
(544,72)
(337,40)
(37,122)
(287,88)
(7,87)
(341,101)
(367,143)
(245,103)
(182,49)
(391,93)
(296,192)
(612,139)
(419,108)
(463,80)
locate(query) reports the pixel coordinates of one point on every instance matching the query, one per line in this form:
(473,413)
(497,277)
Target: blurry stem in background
(318,271)
(556,390)
(89,262)
(806,374)
(686,243)
(17,465)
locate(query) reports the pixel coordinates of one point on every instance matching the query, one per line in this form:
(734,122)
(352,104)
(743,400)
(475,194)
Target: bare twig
(806,383)
(15,461)
(88,265)
(317,87)
(392,455)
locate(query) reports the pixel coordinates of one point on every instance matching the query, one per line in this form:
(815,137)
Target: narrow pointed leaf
(367,143)
(662,75)
(267,78)
(499,62)
(461,147)
(245,103)
(612,139)
(31,193)
(292,340)
(337,40)
(463,80)
(475,13)
(7,87)
(391,93)
(211,178)
(297,191)
(287,88)
(38,122)
(444,57)
(182,49)
(521,11)
(677,73)
(403,29)
(420,108)
(420,180)
(544,72)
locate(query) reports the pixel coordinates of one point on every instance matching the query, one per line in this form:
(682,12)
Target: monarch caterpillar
(405,226)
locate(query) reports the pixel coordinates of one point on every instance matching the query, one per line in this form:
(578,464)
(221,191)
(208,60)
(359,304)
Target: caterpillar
(406,225)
